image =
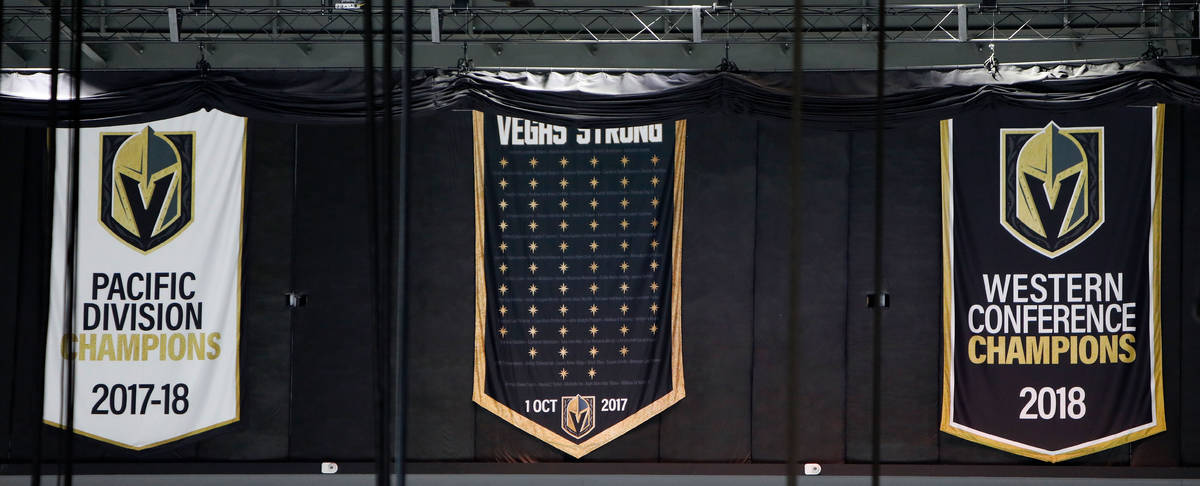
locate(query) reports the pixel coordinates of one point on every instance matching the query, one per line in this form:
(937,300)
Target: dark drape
(306,373)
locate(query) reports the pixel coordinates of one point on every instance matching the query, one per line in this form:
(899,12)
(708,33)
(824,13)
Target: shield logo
(1052,185)
(146,186)
(578,415)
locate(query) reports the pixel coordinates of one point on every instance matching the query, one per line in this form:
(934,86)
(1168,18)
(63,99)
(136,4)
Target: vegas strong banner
(1051,278)
(578,235)
(157,287)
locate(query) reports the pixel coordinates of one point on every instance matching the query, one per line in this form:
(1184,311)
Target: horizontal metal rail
(920,23)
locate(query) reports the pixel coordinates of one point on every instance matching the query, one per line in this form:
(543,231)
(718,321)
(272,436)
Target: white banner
(157,282)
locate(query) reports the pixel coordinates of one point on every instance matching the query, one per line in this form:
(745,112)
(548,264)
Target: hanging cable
(72,237)
(879,301)
(400,204)
(48,187)
(794,275)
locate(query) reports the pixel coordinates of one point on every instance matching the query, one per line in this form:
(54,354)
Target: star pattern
(610,241)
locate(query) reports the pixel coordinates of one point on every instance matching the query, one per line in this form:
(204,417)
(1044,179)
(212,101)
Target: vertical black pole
(378,250)
(400,204)
(51,162)
(72,237)
(797,165)
(384,183)
(879,298)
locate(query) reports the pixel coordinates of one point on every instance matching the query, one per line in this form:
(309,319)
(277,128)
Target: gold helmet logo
(1052,194)
(578,415)
(146,186)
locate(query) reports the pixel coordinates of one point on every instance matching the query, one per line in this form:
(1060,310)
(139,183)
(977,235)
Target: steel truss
(1073,22)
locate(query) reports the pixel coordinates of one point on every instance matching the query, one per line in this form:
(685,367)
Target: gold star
(562,352)
(654,329)
(503,331)
(624,245)
(593,204)
(533,226)
(624,182)
(533,204)
(593,225)
(533,289)
(503,205)
(562,161)
(503,289)
(624,310)
(592,373)
(594,161)
(532,353)
(624,203)
(593,330)
(654,202)
(624,287)
(594,309)
(593,287)
(533,331)
(533,312)
(503,310)
(654,286)
(533,162)
(563,183)
(624,266)
(624,161)
(563,246)
(593,267)
(654,308)
(594,246)
(654,244)
(563,204)
(503,225)
(503,267)
(563,289)
(503,162)
(624,351)
(533,183)
(654,264)
(624,330)
(533,247)
(593,182)
(533,268)
(503,247)
(593,351)
(562,267)
(624,224)
(654,181)
(654,160)
(654,223)
(562,331)
(563,225)
(563,373)
(503,184)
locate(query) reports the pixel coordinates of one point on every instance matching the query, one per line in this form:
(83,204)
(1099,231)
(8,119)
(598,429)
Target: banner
(1051,236)
(157,266)
(577,247)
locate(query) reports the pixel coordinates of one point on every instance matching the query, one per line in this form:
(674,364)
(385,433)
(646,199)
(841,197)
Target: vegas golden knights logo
(1052,185)
(578,415)
(146,186)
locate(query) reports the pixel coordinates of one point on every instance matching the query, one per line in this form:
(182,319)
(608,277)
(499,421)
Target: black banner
(577,246)
(1051,278)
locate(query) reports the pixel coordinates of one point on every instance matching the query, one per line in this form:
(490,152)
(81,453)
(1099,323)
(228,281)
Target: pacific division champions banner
(577,246)
(1051,278)
(157,280)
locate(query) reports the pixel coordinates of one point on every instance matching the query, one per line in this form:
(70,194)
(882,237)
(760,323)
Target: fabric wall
(307,373)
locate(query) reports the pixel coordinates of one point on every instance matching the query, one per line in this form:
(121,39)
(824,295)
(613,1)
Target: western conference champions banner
(577,245)
(1051,278)
(158,287)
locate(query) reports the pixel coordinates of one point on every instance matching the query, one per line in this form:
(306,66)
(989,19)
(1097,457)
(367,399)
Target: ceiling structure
(837,34)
